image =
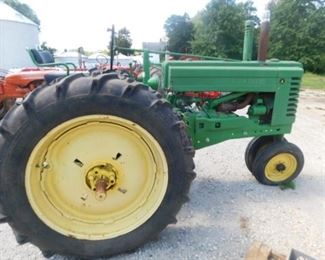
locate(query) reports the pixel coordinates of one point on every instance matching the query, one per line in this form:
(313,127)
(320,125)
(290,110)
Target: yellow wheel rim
(281,167)
(64,189)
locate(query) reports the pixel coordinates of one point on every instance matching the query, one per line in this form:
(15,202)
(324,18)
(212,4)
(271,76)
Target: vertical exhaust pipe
(112,46)
(264,38)
(248,41)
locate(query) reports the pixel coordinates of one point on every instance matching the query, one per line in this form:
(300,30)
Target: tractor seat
(46,59)
(42,57)
(52,76)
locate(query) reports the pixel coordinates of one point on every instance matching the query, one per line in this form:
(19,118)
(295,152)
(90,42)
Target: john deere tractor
(94,166)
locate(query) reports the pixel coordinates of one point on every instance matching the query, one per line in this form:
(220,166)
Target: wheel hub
(280,167)
(100,179)
(101,194)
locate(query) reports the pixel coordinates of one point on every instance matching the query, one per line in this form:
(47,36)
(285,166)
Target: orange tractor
(19,84)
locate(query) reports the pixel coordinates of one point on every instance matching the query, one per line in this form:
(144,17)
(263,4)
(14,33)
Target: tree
(219,28)
(298,32)
(179,30)
(44,47)
(24,9)
(124,40)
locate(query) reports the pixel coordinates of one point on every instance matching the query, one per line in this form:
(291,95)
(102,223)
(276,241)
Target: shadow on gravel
(208,194)
(216,221)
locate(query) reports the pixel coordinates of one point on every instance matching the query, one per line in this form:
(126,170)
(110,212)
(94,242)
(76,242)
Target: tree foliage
(123,39)
(179,30)
(219,28)
(24,9)
(298,32)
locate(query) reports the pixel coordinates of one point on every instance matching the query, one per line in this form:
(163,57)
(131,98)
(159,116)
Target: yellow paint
(56,177)
(286,159)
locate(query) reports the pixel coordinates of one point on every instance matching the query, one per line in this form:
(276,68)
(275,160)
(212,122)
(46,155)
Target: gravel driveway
(229,209)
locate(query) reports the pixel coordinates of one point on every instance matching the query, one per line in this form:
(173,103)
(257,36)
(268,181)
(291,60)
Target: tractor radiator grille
(293,97)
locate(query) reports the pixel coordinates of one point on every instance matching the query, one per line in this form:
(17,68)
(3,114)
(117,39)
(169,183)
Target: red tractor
(19,84)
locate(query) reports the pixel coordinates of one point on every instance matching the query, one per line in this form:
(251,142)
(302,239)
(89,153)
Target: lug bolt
(45,165)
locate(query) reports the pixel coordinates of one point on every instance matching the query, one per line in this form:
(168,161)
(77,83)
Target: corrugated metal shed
(16,34)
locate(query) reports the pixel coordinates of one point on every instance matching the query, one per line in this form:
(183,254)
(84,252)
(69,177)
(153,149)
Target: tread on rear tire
(76,96)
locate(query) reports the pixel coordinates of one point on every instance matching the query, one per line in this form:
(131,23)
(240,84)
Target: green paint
(146,66)
(275,86)
(154,82)
(248,41)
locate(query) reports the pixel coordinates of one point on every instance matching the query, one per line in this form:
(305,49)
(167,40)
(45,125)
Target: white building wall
(15,37)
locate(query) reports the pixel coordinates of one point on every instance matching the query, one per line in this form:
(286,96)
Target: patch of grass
(313,81)
(289,185)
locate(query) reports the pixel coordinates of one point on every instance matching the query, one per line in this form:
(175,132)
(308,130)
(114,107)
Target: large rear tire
(5,105)
(93,167)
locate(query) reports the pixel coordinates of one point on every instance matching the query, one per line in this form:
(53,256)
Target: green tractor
(94,166)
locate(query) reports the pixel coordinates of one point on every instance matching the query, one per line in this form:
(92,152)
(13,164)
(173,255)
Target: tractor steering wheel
(102,59)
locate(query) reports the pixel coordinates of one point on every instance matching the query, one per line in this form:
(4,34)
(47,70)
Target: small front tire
(254,146)
(278,163)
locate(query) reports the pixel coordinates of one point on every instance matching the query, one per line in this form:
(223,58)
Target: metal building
(16,34)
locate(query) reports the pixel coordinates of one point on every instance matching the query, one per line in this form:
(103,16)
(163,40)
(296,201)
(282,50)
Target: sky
(69,24)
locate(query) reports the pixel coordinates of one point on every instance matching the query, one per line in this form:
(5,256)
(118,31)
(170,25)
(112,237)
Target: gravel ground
(229,209)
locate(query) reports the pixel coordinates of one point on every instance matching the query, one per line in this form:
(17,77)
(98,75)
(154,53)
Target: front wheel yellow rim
(281,167)
(96,177)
